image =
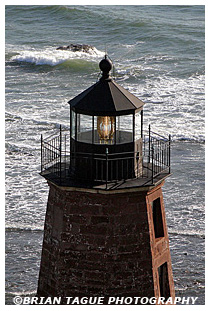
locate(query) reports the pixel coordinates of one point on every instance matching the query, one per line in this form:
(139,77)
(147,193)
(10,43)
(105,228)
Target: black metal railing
(157,154)
(55,154)
(108,167)
(57,160)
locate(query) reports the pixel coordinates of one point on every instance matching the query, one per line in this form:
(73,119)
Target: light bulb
(105,128)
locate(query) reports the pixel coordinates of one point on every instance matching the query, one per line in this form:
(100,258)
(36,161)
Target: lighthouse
(105,232)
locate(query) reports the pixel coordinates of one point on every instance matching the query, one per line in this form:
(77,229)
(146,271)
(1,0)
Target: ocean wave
(62,9)
(21,293)
(46,124)
(53,57)
(23,228)
(24,150)
(198,139)
(187,233)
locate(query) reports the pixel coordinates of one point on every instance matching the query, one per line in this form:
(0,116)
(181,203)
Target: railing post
(106,168)
(60,155)
(137,159)
(133,128)
(41,154)
(115,130)
(70,167)
(65,159)
(152,163)
(149,145)
(169,160)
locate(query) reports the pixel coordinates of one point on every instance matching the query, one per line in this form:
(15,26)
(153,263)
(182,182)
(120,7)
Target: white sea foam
(198,233)
(178,101)
(23,293)
(23,227)
(53,57)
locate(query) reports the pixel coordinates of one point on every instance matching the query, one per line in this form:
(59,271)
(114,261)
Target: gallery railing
(57,160)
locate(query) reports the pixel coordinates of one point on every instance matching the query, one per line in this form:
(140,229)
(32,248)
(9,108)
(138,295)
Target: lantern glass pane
(73,124)
(124,129)
(84,128)
(138,125)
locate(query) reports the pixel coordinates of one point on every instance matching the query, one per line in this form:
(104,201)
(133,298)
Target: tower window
(157,218)
(164,281)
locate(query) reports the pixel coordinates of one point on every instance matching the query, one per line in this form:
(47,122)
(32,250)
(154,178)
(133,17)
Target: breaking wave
(53,57)
(195,233)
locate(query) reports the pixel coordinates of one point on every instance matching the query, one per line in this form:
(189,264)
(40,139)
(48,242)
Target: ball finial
(105,66)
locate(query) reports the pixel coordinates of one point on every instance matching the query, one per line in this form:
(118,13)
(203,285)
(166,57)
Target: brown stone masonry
(105,244)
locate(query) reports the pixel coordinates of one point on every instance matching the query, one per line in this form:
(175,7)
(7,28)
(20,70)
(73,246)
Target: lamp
(105,128)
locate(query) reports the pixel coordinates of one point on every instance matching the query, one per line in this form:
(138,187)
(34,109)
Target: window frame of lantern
(73,116)
(84,128)
(138,125)
(118,127)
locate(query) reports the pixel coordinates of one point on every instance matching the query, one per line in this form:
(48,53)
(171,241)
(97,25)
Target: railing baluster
(152,163)
(65,156)
(117,169)
(60,157)
(48,155)
(169,153)
(149,143)
(102,170)
(96,173)
(41,153)
(162,159)
(127,167)
(55,147)
(106,168)
(86,166)
(111,167)
(159,156)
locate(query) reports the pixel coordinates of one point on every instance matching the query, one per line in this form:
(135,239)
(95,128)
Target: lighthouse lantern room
(107,143)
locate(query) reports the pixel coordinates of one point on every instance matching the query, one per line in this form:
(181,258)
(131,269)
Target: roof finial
(105,66)
(106,50)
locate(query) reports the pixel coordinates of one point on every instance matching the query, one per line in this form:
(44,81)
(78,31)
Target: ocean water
(158,55)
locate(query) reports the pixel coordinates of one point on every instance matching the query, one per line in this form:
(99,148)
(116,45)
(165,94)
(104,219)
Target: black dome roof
(106,97)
